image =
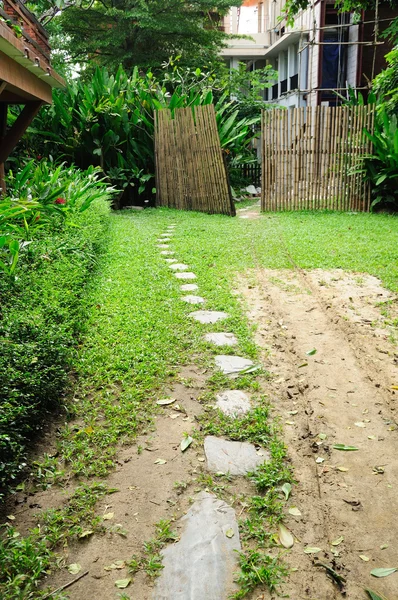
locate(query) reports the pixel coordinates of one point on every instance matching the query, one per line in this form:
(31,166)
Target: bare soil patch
(343,391)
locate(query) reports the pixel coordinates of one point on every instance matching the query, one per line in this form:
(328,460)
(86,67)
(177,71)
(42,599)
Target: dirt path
(342,394)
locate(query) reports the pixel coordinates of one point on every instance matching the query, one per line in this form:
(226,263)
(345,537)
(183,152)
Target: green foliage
(380,168)
(109,121)
(42,196)
(386,83)
(258,568)
(140,33)
(41,305)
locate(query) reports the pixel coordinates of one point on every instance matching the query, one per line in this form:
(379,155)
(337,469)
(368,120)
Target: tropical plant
(380,168)
(42,195)
(109,121)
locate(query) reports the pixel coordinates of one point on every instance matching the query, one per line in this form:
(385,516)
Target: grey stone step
(171,260)
(189,287)
(164,246)
(193,299)
(233,403)
(179,267)
(208,316)
(221,339)
(201,564)
(186,275)
(232,365)
(236,458)
(166,252)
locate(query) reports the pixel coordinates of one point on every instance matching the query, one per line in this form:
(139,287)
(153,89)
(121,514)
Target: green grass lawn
(137,336)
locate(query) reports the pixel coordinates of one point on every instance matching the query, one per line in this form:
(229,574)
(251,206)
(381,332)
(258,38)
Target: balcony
(283,86)
(294,82)
(275,91)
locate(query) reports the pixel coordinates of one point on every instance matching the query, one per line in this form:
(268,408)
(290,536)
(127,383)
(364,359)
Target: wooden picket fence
(309,157)
(190,168)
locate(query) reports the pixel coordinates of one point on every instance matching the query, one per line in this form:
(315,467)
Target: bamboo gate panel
(190,168)
(309,157)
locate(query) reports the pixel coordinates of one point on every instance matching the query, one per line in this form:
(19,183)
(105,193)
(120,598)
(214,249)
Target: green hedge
(41,315)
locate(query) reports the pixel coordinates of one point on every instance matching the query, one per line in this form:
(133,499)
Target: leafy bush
(109,121)
(41,307)
(381,167)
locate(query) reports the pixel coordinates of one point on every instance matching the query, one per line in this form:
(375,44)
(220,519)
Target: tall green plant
(109,121)
(380,168)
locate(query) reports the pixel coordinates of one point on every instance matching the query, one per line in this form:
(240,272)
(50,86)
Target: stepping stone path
(201,564)
(236,458)
(179,267)
(233,403)
(208,316)
(166,235)
(221,339)
(193,299)
(232,365)
(189,287)
(185,275)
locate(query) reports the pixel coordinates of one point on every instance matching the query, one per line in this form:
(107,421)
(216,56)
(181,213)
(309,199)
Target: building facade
(322,53)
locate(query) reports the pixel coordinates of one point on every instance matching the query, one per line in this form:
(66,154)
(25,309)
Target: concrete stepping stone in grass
(208,316)
(189,287)
(233,403)
(171,260)
(236,458)
(201,565)
(166,252)
(163,246)
(193,299)
(221,339)
(164,240)
(179,267)
(166,235)
(233,365)
(185,275)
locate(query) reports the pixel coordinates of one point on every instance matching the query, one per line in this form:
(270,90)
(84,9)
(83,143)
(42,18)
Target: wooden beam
(3,86)
(21,78)
(14,134)
(3,128)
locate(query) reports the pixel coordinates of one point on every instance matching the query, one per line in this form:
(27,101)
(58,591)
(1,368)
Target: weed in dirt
(258,568)
(253,427)
(150,559)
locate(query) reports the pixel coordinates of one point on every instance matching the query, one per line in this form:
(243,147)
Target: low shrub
(41,301)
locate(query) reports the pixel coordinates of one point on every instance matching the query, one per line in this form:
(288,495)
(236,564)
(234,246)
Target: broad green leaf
(374,595)
(285,536)
(229,533)
(74,568)
(123,583)
(287,490)
(345,448)
(166,401)
(383,572)
(338,541)
(186,442)
(293,510)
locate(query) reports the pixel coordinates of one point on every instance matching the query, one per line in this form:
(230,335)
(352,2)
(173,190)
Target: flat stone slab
(163,246)
(200,566)
(193,299)
(221,339)
(165,252)
(185,275)
(189,287)
(208,316)
(166,235)
(236,458)
(232,365)
(179,267)
(164,240)
(170,260)
(233,403)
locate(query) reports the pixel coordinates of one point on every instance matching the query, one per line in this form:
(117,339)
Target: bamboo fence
(190,168)
(310,155)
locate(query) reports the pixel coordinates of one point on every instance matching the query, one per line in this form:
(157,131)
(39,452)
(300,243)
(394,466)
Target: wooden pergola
(26,76)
